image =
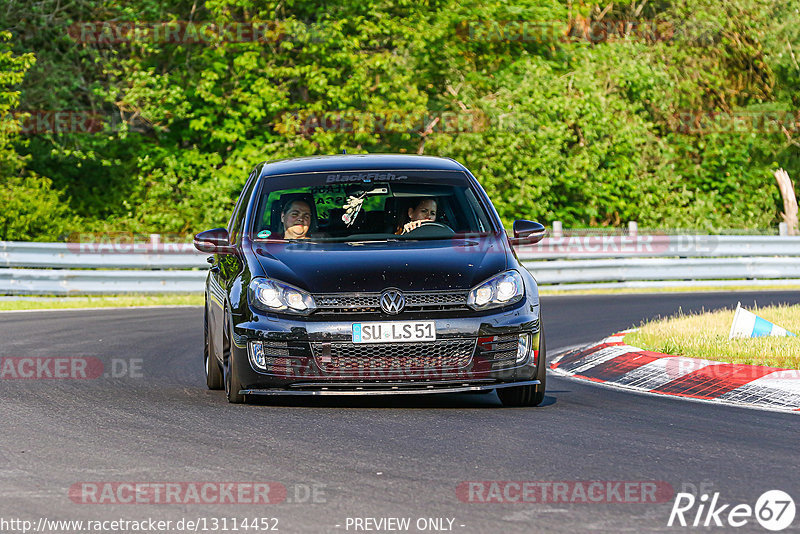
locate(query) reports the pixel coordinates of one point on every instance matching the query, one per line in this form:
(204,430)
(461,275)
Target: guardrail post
(633,228)
(783,229)
(557,229)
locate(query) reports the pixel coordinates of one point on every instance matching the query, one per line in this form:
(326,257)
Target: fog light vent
(257,355)
(523,347)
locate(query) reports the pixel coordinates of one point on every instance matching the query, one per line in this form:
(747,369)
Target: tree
(31,209)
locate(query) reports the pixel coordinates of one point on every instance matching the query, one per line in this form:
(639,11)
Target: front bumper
(310,373)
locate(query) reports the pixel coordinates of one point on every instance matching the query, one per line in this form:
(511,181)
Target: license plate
(394,332)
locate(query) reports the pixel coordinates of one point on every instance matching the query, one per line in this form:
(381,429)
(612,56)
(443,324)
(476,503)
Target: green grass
(122,301)
(705,335)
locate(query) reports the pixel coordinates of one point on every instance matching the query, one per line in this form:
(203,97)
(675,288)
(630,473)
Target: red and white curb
(613,363)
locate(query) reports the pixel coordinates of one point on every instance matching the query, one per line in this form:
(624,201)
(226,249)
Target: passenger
(423,209)
(296,219)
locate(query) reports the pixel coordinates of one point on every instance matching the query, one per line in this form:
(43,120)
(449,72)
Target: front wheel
(528,395)
(232,382)
(213,373)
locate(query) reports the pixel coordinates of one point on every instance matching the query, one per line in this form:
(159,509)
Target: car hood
(373,266)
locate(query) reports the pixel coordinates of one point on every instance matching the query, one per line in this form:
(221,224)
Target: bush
(33,211)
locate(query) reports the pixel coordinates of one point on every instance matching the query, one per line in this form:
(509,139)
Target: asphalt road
(367,457)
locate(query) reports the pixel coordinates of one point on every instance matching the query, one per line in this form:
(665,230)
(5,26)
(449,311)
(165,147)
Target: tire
(232,383)
(528,395)
(541,370)
(214,379)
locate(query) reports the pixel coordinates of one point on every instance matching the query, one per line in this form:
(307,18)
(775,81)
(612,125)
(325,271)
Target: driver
(422,210)
(296,219)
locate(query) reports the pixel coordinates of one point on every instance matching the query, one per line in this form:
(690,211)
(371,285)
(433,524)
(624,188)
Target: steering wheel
(431,228)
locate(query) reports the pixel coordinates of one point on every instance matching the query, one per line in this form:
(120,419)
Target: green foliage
(555,127)
(32,210)
(12,72)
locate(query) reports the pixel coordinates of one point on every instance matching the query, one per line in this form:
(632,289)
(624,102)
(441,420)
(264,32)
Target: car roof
(360,162)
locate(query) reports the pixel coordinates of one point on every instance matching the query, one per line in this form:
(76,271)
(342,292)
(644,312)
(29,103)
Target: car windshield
(368,206)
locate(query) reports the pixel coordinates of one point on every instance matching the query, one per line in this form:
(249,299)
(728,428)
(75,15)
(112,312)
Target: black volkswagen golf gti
(370,275)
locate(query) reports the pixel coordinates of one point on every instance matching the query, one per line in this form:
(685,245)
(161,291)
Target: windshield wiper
(385,240)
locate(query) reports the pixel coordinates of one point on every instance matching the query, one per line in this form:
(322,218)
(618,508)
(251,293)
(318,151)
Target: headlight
(500,290)
(271,295)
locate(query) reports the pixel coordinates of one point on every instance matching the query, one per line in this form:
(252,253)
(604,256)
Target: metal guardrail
(88,282)
(577,271)
(569,261)
(655,245)
(152,255)
(100,268)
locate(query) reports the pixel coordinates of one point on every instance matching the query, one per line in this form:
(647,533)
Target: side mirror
(527,232)
(214,241)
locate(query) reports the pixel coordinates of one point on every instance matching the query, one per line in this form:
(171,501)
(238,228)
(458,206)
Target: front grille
(344,303)
(275,348)
(347,303)
(360,359)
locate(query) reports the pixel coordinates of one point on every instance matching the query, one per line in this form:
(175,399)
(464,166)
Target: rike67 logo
(774,510)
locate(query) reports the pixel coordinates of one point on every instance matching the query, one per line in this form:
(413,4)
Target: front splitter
(395,390)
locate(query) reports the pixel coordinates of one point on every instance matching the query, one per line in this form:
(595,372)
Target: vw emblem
(392,301)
